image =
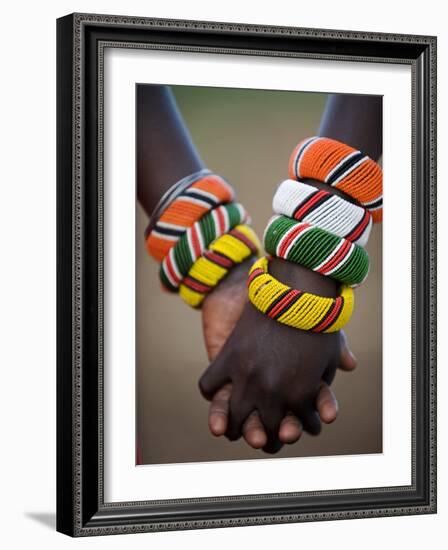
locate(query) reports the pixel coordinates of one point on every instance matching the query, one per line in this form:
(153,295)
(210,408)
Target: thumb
(347,360)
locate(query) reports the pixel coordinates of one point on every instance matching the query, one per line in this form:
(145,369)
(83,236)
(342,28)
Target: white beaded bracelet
(320,208)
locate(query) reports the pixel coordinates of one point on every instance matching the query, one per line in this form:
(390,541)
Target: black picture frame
(81,39)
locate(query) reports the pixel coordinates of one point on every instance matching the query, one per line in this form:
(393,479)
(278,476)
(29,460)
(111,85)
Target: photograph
(258,274)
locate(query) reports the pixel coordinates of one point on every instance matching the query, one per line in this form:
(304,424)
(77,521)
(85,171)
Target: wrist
(297,276)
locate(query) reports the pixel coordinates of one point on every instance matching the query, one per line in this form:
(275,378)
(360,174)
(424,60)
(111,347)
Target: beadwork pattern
(316,249)
(296,308)
(320,208)
(340,166)
(196,240)
(191,205)
(216,262)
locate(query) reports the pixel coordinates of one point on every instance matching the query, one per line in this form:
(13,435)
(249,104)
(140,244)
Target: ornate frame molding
(82,39)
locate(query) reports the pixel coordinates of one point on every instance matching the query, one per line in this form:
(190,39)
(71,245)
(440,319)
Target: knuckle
(203,387)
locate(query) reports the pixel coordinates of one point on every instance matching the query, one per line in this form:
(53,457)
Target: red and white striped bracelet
(322,209)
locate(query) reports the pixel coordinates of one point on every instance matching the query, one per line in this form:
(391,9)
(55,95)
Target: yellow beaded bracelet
(297,308)
(222,255)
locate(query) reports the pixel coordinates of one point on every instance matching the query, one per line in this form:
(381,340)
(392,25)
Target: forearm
(356,120)
(165,150)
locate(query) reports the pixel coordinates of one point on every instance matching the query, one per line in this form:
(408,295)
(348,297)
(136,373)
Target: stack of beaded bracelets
(199,236)
(320,231)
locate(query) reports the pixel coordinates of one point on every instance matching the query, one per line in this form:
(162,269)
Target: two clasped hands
(268,382)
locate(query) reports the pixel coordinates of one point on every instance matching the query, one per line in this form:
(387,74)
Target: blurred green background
(247,137)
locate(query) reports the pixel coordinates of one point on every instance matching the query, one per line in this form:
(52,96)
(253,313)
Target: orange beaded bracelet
(187,208)
(340,166)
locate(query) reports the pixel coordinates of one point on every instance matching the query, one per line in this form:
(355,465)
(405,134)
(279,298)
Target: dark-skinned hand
(221,313)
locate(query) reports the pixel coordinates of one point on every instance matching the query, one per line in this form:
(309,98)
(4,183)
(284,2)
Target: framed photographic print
(246,274)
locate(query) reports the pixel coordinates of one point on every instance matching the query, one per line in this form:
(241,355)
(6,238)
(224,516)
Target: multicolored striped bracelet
(340,166)
(320,208)
(196,240)
(189,206)
(316,249)
(171,194)
(297,308)
(216,262)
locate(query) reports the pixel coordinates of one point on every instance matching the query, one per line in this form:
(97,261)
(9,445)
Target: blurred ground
(246,136)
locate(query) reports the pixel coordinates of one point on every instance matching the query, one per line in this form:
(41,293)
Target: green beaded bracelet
(196,240)
(316,249)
